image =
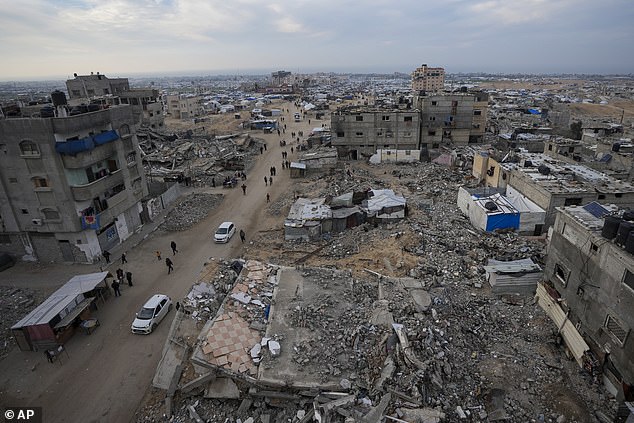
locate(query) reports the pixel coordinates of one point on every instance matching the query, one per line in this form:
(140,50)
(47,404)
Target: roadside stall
(54,321)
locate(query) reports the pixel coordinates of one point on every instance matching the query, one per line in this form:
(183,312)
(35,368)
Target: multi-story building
(428,79)
(590,268)
(360,132)
(184,106)
(88,86)
(455,119)
(70,187)
(146,105)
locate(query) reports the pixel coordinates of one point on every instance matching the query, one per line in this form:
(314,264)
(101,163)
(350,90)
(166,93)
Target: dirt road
(105,374)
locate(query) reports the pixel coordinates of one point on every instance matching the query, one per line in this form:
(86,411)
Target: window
(572,201)
(40,182)
(124,130)
(618,195)
(454,104)
(431,133)
(29,148)
(385,117)
(435,145)
(550,147)
(561,274)
(477,112)
(476,126)
(434,103)
(358,118)
(407,134)
(5,239)
(408,152)
(432,118)
(601,197)
(407,119)
(13,180)
(76,93)
(359,134)
(24,211)
(616,329)
(50,214)
(340,134)
(628,279)
(594,247)
(379,134)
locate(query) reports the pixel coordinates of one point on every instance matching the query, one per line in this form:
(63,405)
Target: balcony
(87,158)
(94,189)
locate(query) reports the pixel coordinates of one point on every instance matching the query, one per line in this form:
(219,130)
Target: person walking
(158,255)
(274,171)
(266,181)
(213,182)
(106,255)
(261,150)
(169,265)
(270,180)
(123,258)
(115,287)
(268,197)
(278,133)
(128,276)
(119,273)
(243,236)
(174,250)
(244,189)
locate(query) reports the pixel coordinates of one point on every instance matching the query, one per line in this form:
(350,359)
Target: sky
(52,39)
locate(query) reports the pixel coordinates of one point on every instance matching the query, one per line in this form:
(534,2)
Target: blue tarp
(71,148)
(534,112)
(503,221)
(106,137)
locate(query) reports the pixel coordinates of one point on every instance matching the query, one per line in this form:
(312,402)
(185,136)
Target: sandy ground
(106,374)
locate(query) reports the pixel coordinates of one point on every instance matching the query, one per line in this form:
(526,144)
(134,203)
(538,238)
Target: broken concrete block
(274,348)
(421,298)
(242,297)
(301,414)
(345,384)
(222,388)
(423,415)
(460,412)
(255,351)
(249,420)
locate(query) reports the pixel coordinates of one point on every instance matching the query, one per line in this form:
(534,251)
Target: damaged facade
(590,269)
(85,182)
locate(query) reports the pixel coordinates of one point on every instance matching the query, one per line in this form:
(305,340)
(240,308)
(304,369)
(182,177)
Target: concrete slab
(297,292)
(222,388)
(421,298)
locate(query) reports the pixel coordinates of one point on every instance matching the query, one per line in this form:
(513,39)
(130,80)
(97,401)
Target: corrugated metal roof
(61,298)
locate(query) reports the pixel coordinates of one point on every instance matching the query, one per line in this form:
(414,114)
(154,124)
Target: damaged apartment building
(71,186)
(590,274)
(431,121)
(97,89)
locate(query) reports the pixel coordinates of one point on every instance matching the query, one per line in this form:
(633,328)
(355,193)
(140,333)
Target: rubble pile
(194,208)
(15,304)
(200,158)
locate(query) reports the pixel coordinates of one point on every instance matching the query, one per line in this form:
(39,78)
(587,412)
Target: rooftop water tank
(58,98)
(624,230)
(610,227)
(628,215)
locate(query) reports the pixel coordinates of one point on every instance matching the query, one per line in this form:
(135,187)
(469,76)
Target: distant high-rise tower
(428,79)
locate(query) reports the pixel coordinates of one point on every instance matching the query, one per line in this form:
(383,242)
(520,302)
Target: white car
(153,311)
(224,232)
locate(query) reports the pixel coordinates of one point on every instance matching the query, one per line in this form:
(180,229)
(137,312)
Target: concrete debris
(191,210)
(222,388)
(15,304)
(274,348)
(418,338)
